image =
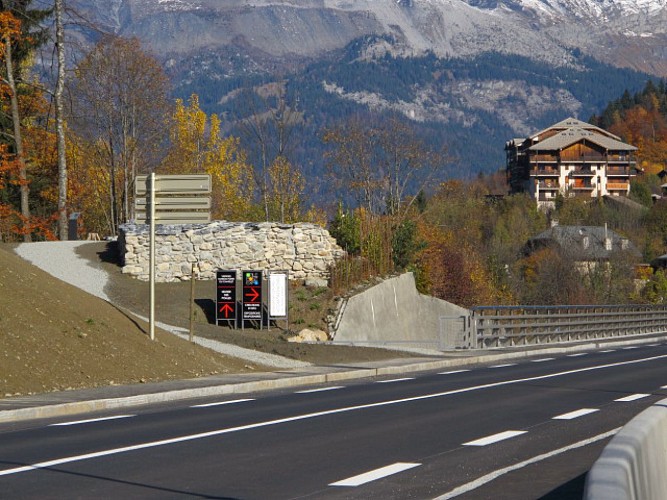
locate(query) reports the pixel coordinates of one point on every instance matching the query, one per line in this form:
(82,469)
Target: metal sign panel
(225,309)
(174,184)
(278,295)
(252,296)
(176,203)
(175,218)
(175,199)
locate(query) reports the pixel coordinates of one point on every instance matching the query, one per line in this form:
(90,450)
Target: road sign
(278,294)
(252,296)
(225,309)
(177,199)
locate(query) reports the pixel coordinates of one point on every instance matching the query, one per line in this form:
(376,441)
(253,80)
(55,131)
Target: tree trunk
(18,141)
(60,127)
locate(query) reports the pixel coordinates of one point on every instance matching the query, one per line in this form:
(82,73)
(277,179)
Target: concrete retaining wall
(305,250)
(393,312)
(633,466)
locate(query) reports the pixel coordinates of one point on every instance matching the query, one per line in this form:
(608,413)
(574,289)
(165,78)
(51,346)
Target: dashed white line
(575,414)
(577,354)
(481,481)
(505,365)
(453,372)
(541,360)
(663,387)
(376,474)
(608,350)
(632,397)
(652,345)
(321,389)
(91,420)
(494,438)
(220,403)
(395,380)
(630,347)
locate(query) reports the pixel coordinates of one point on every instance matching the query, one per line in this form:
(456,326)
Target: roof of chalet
(573,135)
(574,123)
(582,243)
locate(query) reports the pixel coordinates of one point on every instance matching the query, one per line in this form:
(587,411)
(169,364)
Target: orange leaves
(10,29)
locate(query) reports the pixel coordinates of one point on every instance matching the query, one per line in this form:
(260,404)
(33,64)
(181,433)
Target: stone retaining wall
(305,250)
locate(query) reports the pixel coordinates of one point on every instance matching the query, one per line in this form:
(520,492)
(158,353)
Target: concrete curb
(79,407)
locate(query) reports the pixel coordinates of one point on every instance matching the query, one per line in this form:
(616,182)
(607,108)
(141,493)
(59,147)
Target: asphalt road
(519,431)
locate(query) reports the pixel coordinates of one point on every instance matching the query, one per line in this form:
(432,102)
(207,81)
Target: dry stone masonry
(305,250)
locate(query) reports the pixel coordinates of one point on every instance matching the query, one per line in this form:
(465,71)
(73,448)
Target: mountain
(472,73)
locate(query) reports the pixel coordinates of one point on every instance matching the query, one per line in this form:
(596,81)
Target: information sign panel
(278,295)
(252,296)
(225,310)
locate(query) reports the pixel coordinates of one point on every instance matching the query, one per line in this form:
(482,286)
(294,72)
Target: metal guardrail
(506,326)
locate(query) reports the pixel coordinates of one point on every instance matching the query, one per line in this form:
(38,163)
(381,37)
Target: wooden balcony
(582,185)
(543,158)
(593,158)
(545,171)
(617,186)
(548,186)
(582,172)
(624,171)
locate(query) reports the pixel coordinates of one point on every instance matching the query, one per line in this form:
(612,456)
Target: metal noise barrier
(507,326)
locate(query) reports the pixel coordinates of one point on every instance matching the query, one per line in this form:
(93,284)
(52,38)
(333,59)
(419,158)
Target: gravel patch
(59,259)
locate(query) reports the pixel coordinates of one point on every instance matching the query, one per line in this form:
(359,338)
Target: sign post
(252,298)
(151,255)
(225,309)
(159,199)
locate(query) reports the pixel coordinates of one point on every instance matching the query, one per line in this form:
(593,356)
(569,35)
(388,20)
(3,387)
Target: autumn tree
(385,165)
(285,191)
(22,112)
(120,108)
(21,33)
(198,147)
(268,133)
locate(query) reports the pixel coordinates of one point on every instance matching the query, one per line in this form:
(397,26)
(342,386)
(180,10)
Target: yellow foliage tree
(285,191)
(197,147)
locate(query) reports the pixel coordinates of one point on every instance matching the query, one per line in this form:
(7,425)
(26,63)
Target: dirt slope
(54,336)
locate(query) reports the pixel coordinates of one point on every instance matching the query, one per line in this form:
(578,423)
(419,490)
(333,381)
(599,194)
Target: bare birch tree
(60,122)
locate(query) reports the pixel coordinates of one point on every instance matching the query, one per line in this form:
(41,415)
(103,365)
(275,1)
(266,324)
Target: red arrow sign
(253,294)
(227,309)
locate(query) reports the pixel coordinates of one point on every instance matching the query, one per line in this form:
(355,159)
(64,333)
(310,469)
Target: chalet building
(586,246)
(572,158)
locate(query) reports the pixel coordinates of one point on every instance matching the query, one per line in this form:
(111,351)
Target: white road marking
(219,432)
(220,403)
(494,438)
(91,420)
(453,372)
(395,380)
(608,350)
(376,474)
(577,354)
(630,347)
(481,481)
(541,360)
(663,387)
(321,389)
(633,397)
(504,365)
(652,345)
(576,414)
